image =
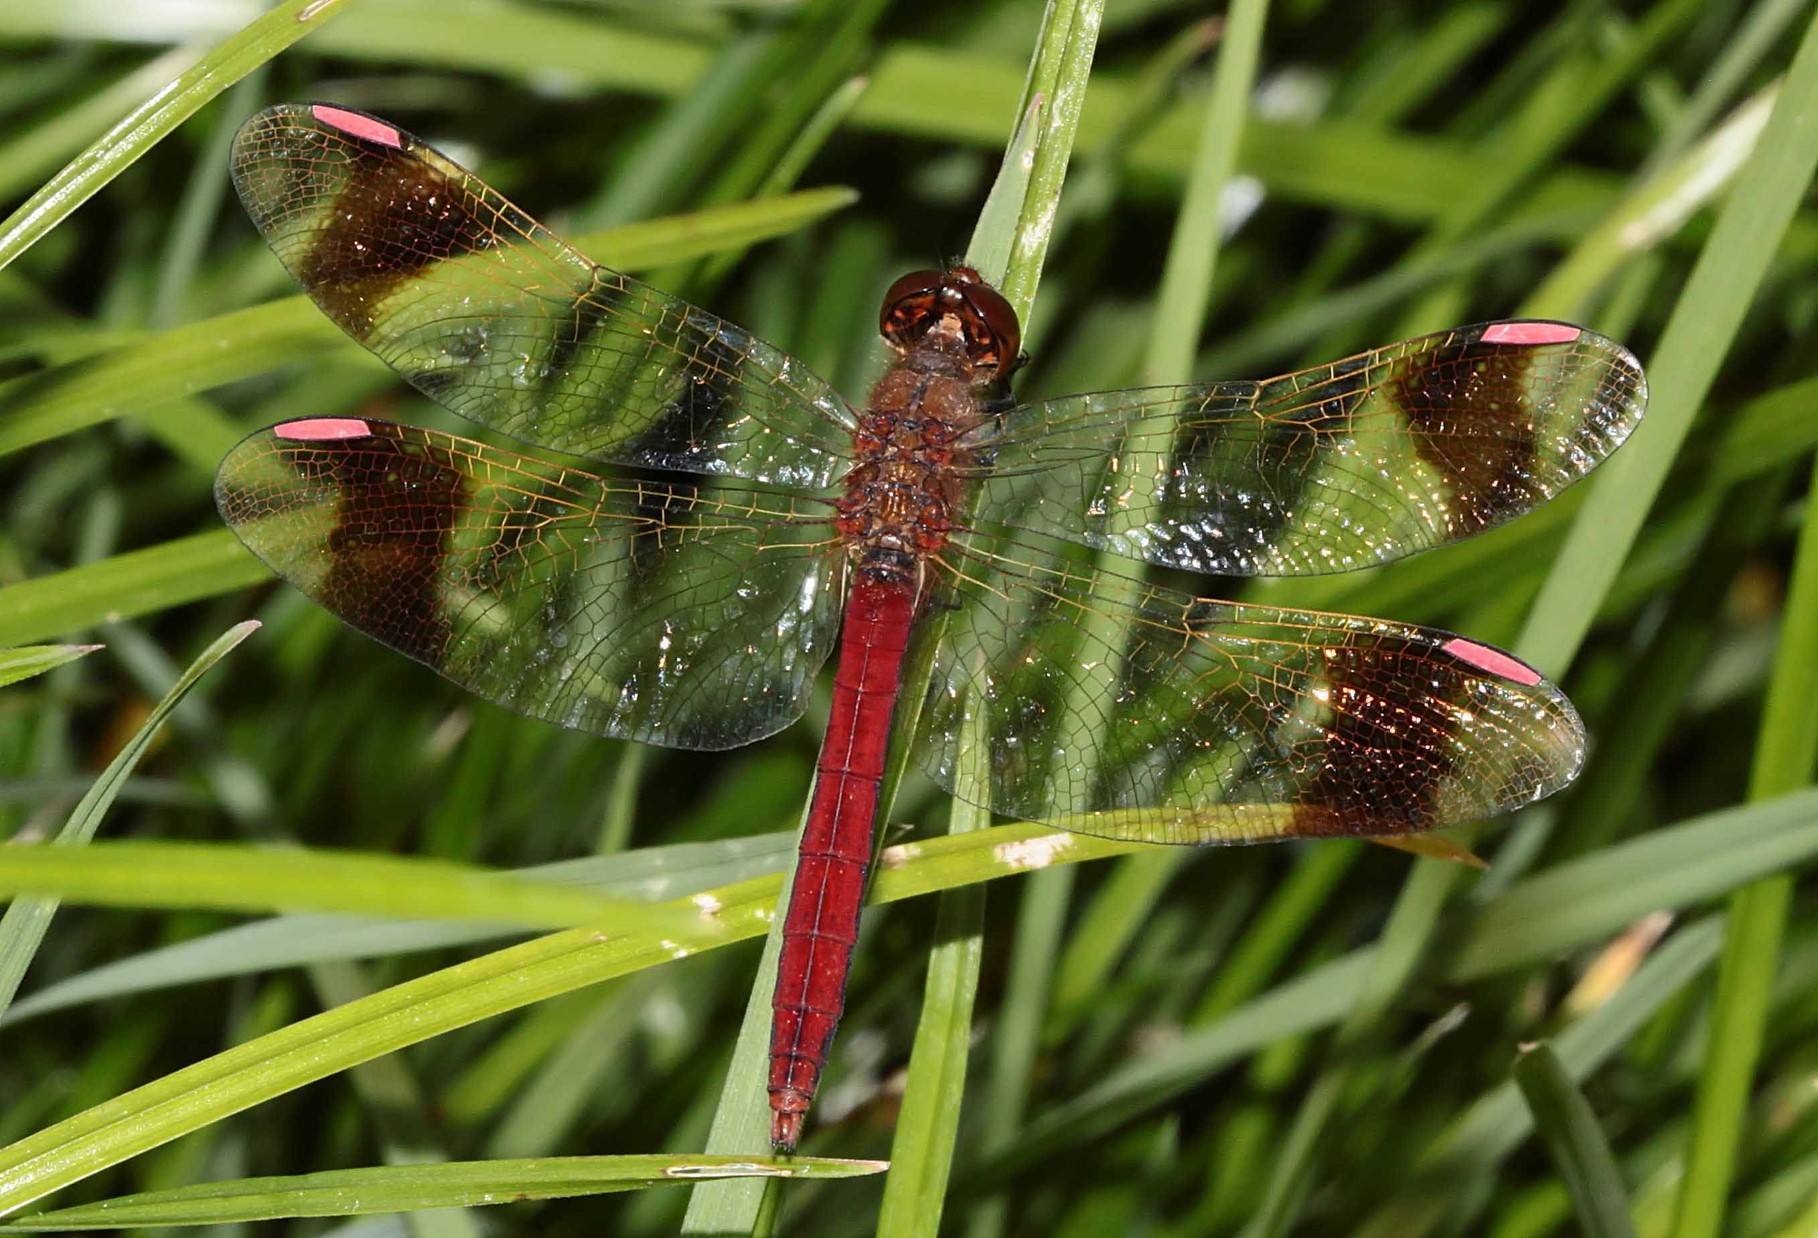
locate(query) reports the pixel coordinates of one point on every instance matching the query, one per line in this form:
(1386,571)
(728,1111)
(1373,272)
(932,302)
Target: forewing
(487,312)
(660,611)
(1338,467)
(1191,720)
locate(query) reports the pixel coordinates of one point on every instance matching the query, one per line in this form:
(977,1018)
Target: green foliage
(362,1192)
(1311,1039)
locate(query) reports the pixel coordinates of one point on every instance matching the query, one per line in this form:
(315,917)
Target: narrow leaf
(407,1188)
(30,660)
(1564,1119)
(23,927)
(146,125)
(257,879)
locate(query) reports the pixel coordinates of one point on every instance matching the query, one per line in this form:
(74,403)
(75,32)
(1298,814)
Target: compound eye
(999,319)
(908,306)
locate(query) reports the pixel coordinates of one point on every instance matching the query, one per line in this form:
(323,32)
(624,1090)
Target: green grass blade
(1787,751)
(1393,86)
(988,252)
(23,926)
(140,582)
(1398,951)
(1104,932)
(468,992)
(1186,288)
(260,879)
(1784,1206)
(668,154)
(1277,930)
(365,1192)
(165,366)
(1561,909)
(1761,27)
(335,1040)
(30,660)
(1667,869)
(1704,322)
(1773,429)
(799,89)
(1579,88)
(815,134)
(1739,1013)
(161,112)
(508,979)
(295,941)
(942,94)
(390,1093)
(27,156)
(1492,1128)
(1016,1038)
(186,248)
(921,1153)
(1565,1120)
(1059,76)
(1658,208)
(741,1119)
(546,1106)
(1786,755)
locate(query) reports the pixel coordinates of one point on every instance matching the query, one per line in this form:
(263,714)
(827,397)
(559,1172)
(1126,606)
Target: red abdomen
(821,924)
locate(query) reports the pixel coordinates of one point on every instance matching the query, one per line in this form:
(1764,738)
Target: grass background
(1316,1039)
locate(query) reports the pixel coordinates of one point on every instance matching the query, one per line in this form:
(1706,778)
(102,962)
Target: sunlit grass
(1315,1039)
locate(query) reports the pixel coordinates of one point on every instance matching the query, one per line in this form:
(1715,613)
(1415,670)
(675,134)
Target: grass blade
(40,150)
(457,996)
(1186,289)
(1705,319)
(1058,77)
(137,583)
(1786,754)
(1563,908)
(921,1154)
(23,926)
(364,1192)
(259,879)
(163,111)
(1656,209)
(508,979)
(1564,1119)
(295,941)
(1492,1128)
(30,660)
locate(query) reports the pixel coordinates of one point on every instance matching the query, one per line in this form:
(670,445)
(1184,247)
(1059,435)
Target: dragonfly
(669,524)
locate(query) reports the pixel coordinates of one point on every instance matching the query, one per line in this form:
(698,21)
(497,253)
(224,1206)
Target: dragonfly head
(956,305)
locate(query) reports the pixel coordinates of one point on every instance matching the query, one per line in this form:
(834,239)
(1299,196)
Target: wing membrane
(487,312)
(649,610)
(1333,468)
(1192,720)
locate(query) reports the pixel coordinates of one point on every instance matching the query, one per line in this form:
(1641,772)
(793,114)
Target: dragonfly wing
(693,616)
(487,312)
(1338,467)
(1191,720)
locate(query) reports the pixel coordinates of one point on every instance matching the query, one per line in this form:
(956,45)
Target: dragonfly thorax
(902,492)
